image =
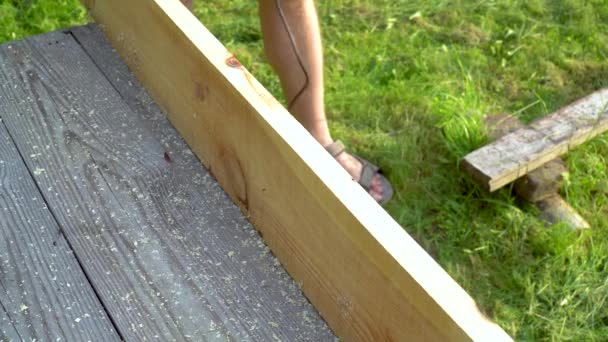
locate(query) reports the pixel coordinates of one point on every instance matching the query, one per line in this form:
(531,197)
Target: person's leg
(301,17)
(308,108)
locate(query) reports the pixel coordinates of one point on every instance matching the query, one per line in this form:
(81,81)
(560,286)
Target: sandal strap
(368,171)
(335,148)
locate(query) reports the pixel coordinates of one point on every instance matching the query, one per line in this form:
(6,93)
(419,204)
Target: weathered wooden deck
(110,228)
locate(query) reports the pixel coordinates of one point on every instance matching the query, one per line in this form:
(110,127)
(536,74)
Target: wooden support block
(366,276)
(555,210)
(499,125)
(528,148)
(541,183)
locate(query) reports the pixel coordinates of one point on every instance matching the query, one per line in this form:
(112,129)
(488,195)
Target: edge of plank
(478,175)
(368,278)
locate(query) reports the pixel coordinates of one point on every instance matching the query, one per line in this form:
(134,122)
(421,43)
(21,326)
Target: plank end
(479,176)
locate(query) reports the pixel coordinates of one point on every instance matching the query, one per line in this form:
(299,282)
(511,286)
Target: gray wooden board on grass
(44,294)
(168,253)
(528,148)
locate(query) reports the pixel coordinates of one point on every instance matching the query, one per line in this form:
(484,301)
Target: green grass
(22,18)
(407,85)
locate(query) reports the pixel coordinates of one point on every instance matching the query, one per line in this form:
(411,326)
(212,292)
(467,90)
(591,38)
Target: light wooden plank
(541,185)
(169,254)
(44,294)
(514,155)
(538,184)
(365,275)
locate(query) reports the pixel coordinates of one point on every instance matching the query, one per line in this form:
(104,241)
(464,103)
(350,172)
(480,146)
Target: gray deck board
(170,256)
(7,327)
(44,294)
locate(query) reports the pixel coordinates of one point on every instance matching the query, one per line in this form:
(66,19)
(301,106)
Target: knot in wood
(233,62)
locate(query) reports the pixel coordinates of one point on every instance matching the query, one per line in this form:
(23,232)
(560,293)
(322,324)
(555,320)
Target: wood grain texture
(44,294)
(169,254)
(7,327)
(366,276)
(539,183)
(528,148)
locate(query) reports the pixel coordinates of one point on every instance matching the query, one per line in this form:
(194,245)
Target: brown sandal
(368,171)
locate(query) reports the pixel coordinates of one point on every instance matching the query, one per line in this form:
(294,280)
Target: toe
(376,190)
